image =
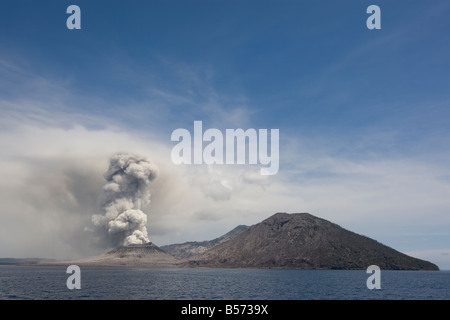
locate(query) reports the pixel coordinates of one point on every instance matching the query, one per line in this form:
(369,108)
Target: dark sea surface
(124,283)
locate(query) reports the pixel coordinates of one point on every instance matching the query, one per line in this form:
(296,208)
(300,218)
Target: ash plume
(125,193)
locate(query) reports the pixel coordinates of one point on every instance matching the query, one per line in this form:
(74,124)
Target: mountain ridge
(304,241)
(288,241)
(189,249)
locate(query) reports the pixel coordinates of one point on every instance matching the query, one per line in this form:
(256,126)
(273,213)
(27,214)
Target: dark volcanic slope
(304,241)
(189,249)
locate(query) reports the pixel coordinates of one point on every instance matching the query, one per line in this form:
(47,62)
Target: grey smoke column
(125,193)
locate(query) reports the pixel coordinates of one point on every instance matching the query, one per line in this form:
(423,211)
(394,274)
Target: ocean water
(124,283)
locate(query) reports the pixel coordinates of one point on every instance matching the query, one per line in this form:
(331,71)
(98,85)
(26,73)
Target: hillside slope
(304,241)
(189,249)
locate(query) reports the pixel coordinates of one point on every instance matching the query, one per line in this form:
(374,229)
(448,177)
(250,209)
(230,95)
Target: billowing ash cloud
(125,193)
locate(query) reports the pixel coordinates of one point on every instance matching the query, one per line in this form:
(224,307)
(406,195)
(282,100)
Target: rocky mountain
(189,249)
(297,241)
(303,241)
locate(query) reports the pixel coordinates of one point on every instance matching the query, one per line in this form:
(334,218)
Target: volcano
(303,241)
(288,241)
(134,255)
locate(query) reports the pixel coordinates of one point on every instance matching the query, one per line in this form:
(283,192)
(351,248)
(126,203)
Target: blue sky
(313,68)
(363,114)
